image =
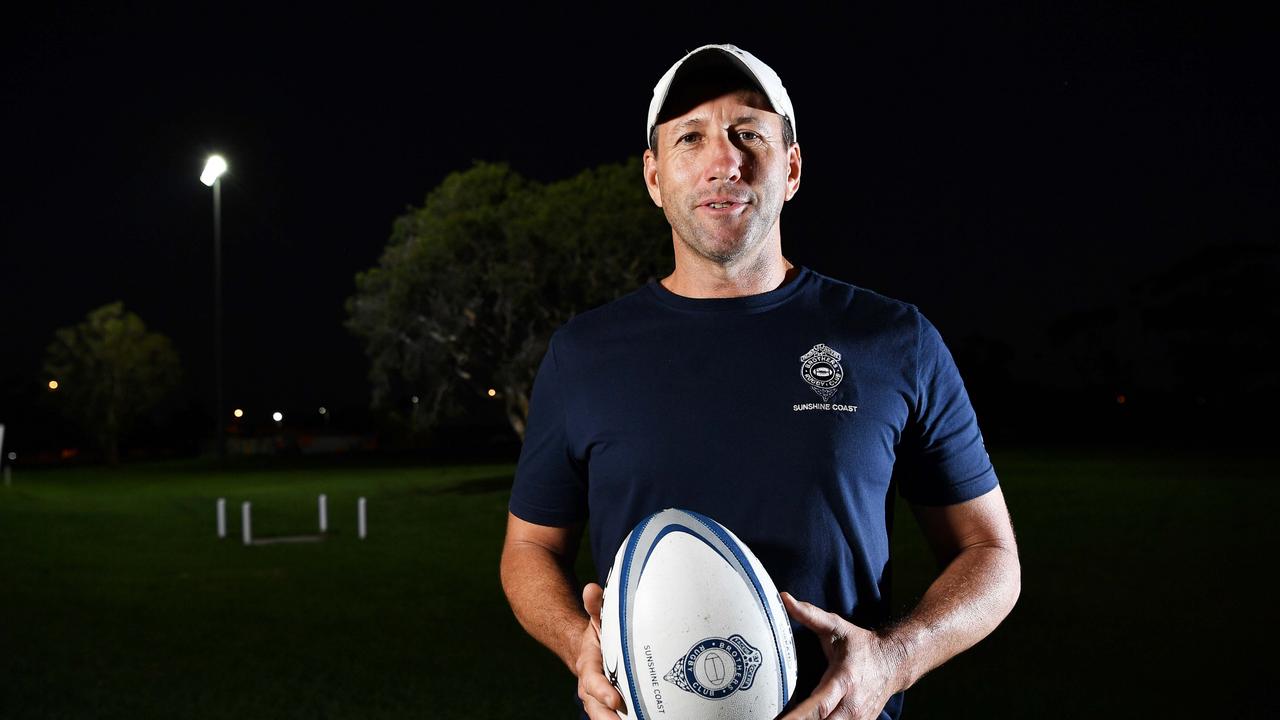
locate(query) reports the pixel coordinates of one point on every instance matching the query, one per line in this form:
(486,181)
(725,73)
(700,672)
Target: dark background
(1081,197)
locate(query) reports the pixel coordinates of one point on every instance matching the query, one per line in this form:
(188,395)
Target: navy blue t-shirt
(790,417)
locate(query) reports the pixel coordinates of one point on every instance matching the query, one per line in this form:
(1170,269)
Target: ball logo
(820,367)
(716,668)
(613,674)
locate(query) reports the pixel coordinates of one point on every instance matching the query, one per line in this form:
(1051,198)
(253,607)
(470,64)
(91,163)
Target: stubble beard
(701,237)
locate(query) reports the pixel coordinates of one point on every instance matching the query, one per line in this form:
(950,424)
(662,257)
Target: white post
(222,517)
(324,513)
(245,525)
(361,524)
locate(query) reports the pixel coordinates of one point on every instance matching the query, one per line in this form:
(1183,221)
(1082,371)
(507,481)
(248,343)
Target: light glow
(238,413)
(213,168)
(53,384)
(277,416)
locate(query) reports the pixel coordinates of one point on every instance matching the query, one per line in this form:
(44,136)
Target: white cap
(752,68)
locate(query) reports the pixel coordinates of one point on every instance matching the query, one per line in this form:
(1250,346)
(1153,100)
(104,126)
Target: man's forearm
(963,605)
(543,595)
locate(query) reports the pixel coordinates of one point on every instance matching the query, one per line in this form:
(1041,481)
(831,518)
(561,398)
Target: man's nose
(724,160)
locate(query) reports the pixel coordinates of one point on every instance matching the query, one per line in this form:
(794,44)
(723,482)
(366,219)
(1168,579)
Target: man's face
(722,173)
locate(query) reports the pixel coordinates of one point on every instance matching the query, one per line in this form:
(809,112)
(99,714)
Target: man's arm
(537,576)
(977,588)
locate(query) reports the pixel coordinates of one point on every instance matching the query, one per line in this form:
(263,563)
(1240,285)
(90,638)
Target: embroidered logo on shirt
(820,367)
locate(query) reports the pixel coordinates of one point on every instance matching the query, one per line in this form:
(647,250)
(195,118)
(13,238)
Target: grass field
(1146,583)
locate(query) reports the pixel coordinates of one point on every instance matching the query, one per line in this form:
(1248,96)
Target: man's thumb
(803,612)
(593,600)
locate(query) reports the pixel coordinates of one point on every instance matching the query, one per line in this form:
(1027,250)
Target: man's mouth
(722,203)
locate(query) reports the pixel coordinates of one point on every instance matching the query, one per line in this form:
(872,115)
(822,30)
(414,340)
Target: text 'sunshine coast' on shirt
(791,417)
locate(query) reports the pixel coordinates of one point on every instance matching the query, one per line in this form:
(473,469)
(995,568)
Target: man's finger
(811,616)
(589,657)
(591,677)
(599,690)
(820,704)
(596,711)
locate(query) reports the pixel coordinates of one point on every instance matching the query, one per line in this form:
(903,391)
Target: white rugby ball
(692,626)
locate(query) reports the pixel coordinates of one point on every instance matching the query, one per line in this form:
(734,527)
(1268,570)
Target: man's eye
(689,138)
(749,136)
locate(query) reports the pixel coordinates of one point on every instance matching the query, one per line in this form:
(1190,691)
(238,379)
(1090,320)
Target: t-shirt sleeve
(550,486)
(944,458)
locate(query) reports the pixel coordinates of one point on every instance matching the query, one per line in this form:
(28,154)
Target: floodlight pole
(212,177)
(219,437)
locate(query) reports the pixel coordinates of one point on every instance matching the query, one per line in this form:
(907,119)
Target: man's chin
(721,253)
(722,246)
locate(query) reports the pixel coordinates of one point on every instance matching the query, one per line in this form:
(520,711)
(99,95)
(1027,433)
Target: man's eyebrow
(697,122)
(691,122)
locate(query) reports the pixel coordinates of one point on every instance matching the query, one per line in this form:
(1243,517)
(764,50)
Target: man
(788,406)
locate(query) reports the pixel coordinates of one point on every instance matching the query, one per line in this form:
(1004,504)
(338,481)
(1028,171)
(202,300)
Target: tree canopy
(110,371)
(473,283)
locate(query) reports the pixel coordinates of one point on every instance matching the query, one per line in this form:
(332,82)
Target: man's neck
(698,277)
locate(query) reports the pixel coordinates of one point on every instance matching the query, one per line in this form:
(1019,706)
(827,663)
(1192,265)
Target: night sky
(998,168)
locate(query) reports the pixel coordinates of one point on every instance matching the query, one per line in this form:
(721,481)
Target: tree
(472,284)
(110,371)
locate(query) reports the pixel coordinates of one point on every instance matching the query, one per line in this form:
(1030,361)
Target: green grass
(1143,578)
(120,602)
(1144,593)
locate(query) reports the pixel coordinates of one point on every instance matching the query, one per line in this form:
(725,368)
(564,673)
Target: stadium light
(238,413)
(214,167)
(493,393)
(277,416)
(53,384)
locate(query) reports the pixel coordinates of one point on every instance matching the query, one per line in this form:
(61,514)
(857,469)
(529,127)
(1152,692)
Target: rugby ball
(692,626)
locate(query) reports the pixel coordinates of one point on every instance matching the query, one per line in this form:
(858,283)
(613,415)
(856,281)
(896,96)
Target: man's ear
(651,177)
(793,170)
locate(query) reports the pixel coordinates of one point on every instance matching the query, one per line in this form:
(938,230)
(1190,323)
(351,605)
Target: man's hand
(599,697)
(861,667)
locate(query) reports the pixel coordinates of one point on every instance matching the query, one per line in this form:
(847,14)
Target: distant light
(13,456)
(214,167)
(322,410)
(53,384)
(277,416)
(414,399)
(238,413)
(493,393)
(1120,399)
